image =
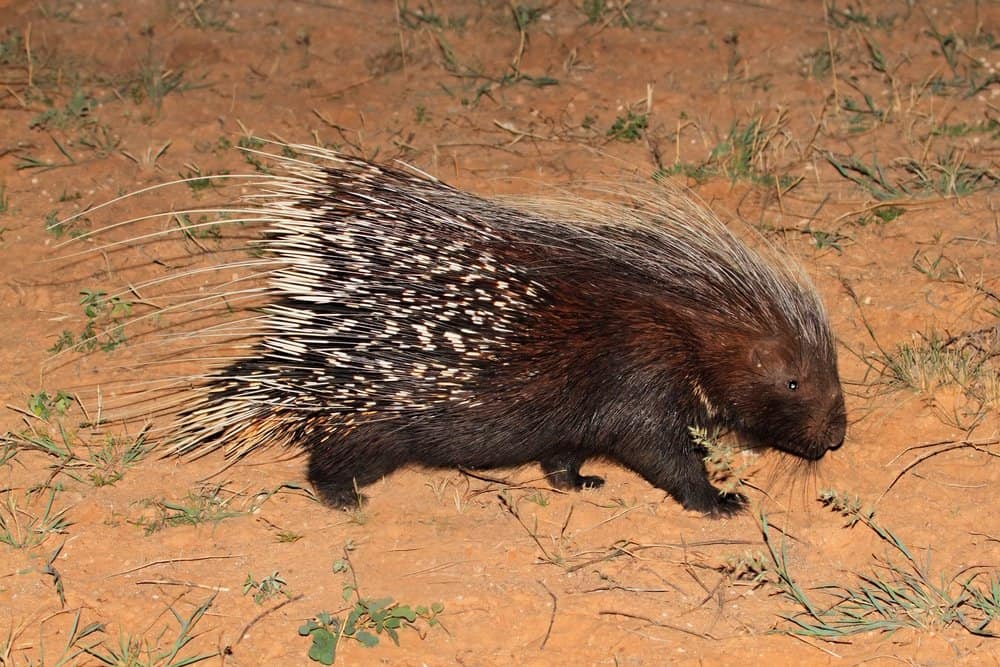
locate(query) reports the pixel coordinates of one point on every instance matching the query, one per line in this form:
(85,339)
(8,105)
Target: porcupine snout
(831,429)
(836,423)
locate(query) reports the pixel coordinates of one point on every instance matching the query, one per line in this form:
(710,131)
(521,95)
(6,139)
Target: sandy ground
(752,105)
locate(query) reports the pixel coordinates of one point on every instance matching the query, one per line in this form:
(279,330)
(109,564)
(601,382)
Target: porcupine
(411,323)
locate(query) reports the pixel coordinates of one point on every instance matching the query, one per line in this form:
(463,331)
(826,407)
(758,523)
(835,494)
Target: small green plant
(862,117)
(947,175)
(818,63)
(854,15)
(153,82)
(266,588)
(950,175)
(249,143)
(595,10)
(366,621)
(888,213)
(871,178)
(525,15)
(823,239)
(538,498)
(4,201)
(74,226)
(990,126)
(208,504)
(44,406)
(629,127)
(76,110)
(202,229)
(745,153)
(105,326)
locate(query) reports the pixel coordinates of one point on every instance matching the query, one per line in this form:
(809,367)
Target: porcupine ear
(767,355)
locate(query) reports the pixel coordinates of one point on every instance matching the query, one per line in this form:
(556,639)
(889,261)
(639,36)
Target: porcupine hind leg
(339,468)
(563,472)
(680,471)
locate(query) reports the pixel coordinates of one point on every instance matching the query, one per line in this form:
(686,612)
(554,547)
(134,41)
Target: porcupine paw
(718,505)
(563,472)
(337,496)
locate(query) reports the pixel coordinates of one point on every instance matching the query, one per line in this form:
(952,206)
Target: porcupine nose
(836,427)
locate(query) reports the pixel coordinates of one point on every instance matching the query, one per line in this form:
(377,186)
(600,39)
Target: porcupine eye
(793,385)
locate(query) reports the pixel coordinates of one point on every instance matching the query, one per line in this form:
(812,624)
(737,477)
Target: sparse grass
(426,16)
(967,361)
(75,112)
(750,151)
(209,504)
(79,640)
(197,180)
(108,463)
(96,464)
(251,143)
(946,175)
(602,11)
(31,518)
(892,596)
(153,82)
(205,228)
(854,14)
(144,651)
(61,228)
(990,126)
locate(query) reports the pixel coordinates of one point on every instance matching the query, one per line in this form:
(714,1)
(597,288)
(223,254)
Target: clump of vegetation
(209,504)
(749,151)
(894,595)
(29,519)
(969,362)
(266,588)
(366,620)
(629,126)
(159,650)
(720,460)
(105,326)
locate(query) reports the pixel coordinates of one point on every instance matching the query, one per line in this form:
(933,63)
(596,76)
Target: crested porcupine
(407,322)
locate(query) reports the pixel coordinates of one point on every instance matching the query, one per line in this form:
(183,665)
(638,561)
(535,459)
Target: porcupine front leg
(563,472)
(680,471)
